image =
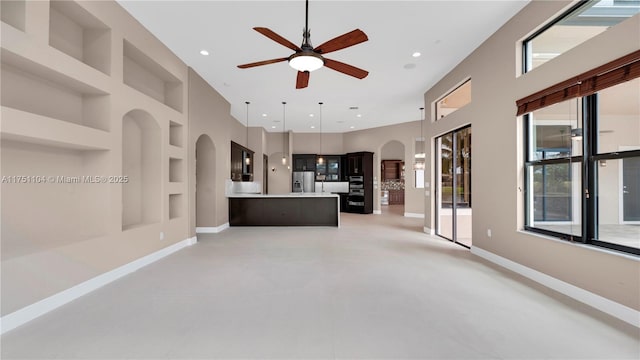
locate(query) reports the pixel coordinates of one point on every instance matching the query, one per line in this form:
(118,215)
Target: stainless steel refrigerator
(303,181)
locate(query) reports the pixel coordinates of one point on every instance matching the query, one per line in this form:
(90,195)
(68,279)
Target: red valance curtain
(610,74)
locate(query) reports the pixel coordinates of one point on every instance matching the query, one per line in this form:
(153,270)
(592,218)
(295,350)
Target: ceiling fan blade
(260,63)
(277,38)
(303,79)
(354,37)
(345,68)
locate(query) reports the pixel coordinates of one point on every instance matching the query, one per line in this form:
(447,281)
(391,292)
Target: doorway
(631,189)
(453,186)
(392,175)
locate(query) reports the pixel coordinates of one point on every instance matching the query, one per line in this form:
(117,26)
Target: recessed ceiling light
(204,52)
(352,127)
(273,127)
(310,115)
(264,115)
(359,115)
(416,54)
(313,127)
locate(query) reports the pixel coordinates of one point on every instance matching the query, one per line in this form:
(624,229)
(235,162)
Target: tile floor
(376,288)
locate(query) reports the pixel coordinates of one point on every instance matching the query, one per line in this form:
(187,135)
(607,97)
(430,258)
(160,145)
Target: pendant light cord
(422,139)
(284,126)
(320,103)
(246,102)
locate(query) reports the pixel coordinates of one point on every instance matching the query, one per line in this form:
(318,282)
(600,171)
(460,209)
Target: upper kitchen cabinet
(392,170)
(241,163)
(304,162)
(329,170)
(360,163)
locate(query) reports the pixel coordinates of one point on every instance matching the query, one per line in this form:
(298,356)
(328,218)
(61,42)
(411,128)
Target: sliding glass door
(453,186)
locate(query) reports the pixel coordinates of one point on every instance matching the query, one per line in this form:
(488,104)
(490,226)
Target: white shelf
(174,188)
(77,33)
(19,50)
(147,76)
(13,13)
(176,152)
(37,129)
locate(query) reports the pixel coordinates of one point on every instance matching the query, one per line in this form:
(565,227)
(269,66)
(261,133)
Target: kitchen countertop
(290,195)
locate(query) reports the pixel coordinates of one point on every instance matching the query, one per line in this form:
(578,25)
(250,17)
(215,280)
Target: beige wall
(497,150)
(209,115)
(279,174)
(64,110)
(309,143)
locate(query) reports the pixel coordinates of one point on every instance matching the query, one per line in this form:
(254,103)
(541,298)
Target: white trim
(610,307)
(428,231)
(377,212)
(212,230)
(30,312)
(414,215)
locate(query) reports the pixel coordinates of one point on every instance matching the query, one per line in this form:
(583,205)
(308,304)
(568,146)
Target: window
(582,22)
(582,168)
(454,100)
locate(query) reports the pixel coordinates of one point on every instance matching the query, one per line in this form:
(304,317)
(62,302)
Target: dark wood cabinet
(241,163)
(392,170)
(304,162)
(396,197)
(360,169)
(283,211)
(329,169)
(355,162)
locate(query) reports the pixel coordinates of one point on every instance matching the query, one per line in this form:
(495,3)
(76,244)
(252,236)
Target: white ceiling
(444,32)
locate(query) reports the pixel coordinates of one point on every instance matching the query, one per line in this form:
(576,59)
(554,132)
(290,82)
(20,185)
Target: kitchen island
(295,209)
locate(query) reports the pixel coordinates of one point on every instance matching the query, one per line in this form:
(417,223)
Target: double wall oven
(356,191)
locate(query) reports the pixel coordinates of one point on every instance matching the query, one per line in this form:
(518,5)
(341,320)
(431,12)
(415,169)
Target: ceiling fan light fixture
(306,61)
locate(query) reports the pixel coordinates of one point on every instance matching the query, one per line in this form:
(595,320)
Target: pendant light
(284,121)
(247,159)
(320,159)
(419,160)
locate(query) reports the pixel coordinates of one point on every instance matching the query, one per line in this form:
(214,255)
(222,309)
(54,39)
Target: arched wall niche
(141,164)
(205,182)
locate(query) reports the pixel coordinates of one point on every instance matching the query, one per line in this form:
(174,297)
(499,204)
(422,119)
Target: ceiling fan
(307,58)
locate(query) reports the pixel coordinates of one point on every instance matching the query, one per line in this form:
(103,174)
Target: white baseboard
(428,231)
(212,230)
(414,215)
(30,312)
(377,212)
(610,307)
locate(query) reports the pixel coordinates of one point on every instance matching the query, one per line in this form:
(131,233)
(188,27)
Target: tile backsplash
(392,185)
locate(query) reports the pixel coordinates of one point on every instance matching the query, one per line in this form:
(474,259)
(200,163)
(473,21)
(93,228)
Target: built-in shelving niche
(145,75)
(175,206)
(53,203)
(79,34)
(175,134)
(141,149)
(13,13)
(175,170)
(33,88)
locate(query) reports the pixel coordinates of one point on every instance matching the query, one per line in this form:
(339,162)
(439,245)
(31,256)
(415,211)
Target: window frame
(448,93)
(526,43)
(589,160)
